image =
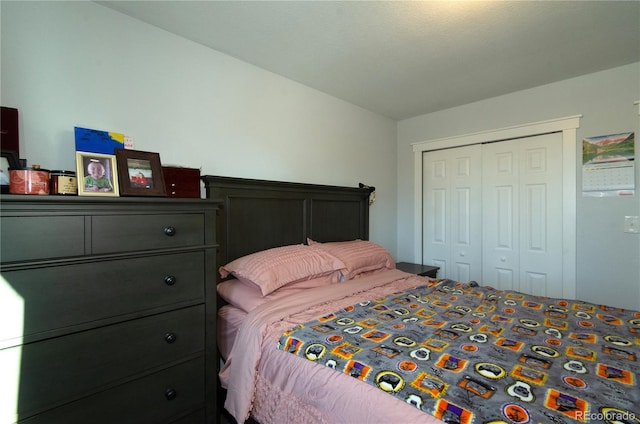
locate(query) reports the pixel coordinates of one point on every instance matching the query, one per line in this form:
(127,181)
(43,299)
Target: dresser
(108,310)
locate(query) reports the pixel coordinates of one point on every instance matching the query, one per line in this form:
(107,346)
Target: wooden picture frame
(140,173)
(97,174)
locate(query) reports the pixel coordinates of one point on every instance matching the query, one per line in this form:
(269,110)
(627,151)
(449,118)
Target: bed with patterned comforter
(470,354)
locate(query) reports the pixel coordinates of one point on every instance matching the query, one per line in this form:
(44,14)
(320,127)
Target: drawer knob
(170,394)
(170,231)
(169,280)
(170,337)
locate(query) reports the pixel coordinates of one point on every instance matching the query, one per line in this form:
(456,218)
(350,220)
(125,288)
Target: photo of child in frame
(96,178)
(140,173)
(97,174)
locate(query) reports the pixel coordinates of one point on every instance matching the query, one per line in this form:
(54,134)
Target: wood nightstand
(424,270)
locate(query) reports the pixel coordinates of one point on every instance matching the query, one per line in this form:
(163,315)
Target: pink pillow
(247,296)
(358,256)
(273,268)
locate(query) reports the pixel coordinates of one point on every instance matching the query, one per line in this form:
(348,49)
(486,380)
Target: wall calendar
(608,165)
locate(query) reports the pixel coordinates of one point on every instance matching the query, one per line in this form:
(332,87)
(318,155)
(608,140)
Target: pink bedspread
(281,387)
(229,321)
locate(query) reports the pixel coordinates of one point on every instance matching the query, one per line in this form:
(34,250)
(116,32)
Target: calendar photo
(608,165)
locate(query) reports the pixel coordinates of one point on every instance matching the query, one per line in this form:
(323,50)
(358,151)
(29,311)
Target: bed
(369,343)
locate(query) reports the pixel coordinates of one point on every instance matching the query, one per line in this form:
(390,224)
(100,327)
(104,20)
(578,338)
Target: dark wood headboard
(260,214)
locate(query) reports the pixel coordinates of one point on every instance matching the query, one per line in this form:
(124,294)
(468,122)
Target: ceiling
(407,58)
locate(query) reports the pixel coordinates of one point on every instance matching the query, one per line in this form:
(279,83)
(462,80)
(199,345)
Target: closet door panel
(504,219)
(522,243)
(462,238)
(502,278)
(466,225)
(435,237)
(440,220)
(541,215)
(452,198)
(535,283)
(500,199)
(463,272)
(462,222)
(535,217)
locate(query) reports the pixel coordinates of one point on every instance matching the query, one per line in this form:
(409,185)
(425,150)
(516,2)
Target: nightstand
(424,270)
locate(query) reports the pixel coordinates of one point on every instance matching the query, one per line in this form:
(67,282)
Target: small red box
(181,182)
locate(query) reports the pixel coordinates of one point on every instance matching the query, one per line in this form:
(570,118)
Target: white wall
(67,64)
(607,258)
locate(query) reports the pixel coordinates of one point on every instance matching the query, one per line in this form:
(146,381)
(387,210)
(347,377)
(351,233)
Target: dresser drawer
(74,297)
(57,236)
(198,417)
(141,401)
(124,233)
(62,369)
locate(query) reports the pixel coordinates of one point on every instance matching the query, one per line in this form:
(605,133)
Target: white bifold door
(452,212)
(493,213)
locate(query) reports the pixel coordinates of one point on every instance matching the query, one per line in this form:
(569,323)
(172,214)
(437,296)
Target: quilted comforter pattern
(470,354)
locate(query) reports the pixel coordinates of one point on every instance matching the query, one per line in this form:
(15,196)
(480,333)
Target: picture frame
(140,173)
(9,160)
(97,174)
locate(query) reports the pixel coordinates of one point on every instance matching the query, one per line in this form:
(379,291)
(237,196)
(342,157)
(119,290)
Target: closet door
(522,214)
(452,212)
